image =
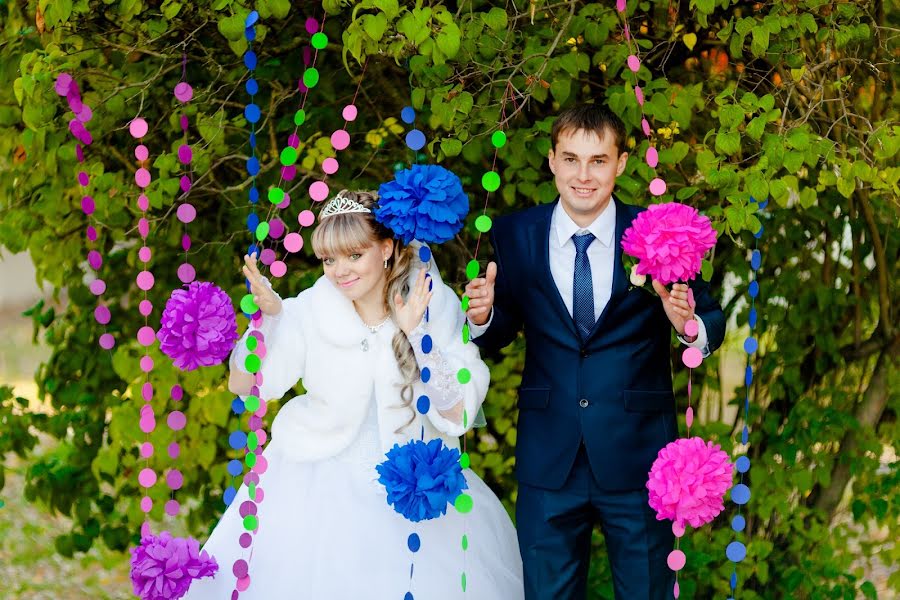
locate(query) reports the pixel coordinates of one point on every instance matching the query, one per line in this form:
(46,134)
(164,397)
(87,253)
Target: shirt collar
(603,227)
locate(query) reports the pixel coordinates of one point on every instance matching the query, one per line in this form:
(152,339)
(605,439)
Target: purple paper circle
(174,450)
(97,287)
(107,341)
(276,228)
(185,154)
(177,392)
(145,280)
(142,177)
(293,242)
(102,314)
(240,568)
(294,141)
(245,540)
(692,357)
(63,81)
(186,273)
(278,268)
(176,420)
(95,260)
(91,233)
(186,212)
(146,335)
(185,242)
(85,114)
(318,191)
(657,187)
(173,508)
(174,479)
(144,254)
(141,152)
(284,203)
(147,477)
(312,26)
(267,256)
(350,112)
(306,218)
(83,179)
(184,92)
(340,139)
(288,173)
(330,165)
(138,128)
(87,205)
(145,307)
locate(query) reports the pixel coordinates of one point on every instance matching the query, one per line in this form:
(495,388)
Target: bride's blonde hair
(346,233)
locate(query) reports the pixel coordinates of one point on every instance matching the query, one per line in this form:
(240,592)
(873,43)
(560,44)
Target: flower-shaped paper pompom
(688,481)
(198,326)
(162,568)
(422,478)
(425,203)
(669,241)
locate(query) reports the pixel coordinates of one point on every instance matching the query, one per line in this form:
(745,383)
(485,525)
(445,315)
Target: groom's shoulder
(522,218)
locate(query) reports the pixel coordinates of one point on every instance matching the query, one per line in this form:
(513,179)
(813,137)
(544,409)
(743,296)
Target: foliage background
(792,101)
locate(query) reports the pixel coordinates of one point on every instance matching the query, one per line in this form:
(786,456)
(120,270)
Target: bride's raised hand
(266,299)
(409,313)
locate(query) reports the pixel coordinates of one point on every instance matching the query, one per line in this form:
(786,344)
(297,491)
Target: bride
(355,339)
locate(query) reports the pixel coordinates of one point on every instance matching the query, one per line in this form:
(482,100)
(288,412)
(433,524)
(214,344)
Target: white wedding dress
(326,532)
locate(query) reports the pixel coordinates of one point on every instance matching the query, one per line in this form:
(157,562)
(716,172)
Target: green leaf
(232,27)
(798,139)
(451,146)
(390,8)
(560,88)
(755,128)
(374,25)
(706,270)
(728,142)
(495,18)
(685,193)
(449,40)
(846,186)
(760,41)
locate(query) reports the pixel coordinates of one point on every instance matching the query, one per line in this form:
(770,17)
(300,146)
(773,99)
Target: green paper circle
(465,303)
(498,139)
(251,403)
(252,364)
(311,77)
(319,40)
(250,460)
(463,581)
(288,156)
(463,503)
(251,522)
(466,334)
(465,542)
(252,439)
(465,419)
(251,489)
(299,117)
(464,460)
(463,375)
(491,181)
(472,269)
(276,195)
(483,223)
(248,305)
(252,342)
(262,230)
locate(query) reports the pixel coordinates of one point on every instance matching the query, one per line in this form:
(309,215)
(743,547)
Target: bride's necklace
(373,329)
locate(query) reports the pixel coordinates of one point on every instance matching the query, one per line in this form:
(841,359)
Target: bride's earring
(385,263)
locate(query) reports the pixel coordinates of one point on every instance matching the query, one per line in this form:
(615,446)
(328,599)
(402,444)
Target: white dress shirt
(601,254)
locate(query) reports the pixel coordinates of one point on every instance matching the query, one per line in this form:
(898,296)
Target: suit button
(583,403)
(584,354)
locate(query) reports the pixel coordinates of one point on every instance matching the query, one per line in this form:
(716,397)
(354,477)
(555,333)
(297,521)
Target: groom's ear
(550,157)
(622,161)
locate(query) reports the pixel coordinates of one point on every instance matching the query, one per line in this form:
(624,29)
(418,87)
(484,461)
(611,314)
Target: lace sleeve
(441,386)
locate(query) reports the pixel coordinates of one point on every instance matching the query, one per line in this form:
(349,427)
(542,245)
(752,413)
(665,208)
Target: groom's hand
(480,292)
(676,305)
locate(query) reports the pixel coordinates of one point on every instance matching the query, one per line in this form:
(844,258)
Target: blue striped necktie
(583,287)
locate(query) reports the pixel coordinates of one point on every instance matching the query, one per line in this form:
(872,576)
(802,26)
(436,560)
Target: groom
(596,401)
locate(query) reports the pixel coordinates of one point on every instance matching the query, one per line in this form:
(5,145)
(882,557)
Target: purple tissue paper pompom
(162,568)
(422,478)
(425,203)
(198,326)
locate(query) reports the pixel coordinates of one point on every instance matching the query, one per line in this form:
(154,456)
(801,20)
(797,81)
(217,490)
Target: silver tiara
(340,205)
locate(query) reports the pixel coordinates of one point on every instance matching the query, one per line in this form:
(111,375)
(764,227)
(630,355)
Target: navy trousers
(555,529)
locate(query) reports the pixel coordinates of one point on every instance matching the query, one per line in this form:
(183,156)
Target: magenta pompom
(669,240)
(198,326)
(163,567)
(688,481)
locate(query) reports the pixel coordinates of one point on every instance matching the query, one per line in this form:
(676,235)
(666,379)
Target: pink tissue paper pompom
(688,482)
(669,240)
(163,567)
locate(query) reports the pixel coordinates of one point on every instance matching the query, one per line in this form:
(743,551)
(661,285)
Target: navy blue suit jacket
(613,391)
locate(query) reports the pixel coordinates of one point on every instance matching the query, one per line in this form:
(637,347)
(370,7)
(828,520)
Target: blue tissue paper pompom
(425,203)
(421,479)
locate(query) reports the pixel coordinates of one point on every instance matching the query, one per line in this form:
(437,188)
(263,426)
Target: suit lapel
(541,232)
(619,283)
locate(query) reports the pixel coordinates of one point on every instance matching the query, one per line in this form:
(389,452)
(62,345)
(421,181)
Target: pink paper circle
(657,187)
(652,157)
(293,242)
(143,202)
(174,450)
(138,128)
(691,302)
(634,63)
(146,364)
(260,495)
(186,212)
(692,357)
(261,465)
(174,479)
(145,307)
(645,126)
(261,412)
(267,256)
(97,287)
(144,254)
(186,273)
(676,560)
(677,529)
(85,114)
(146,450)
(148,424)
(242,584)
(63,81)
(176,420)
(330,165)
(144,227)
(146,335)
(261,436)
(318,191)
(147,394)
(142,177)
(107,341)
(340,139)
(173,508)
(350,112)
(306,218)
(184,92)
(284,204)
(147,477)
(691,328)
(146,504)
(639,94)
(689,416)
(278,268)
(141,153)
(102,314)
(261,347)
(145,280)
(254,422)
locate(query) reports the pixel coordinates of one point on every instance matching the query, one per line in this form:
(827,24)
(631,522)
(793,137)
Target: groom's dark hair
(590,117)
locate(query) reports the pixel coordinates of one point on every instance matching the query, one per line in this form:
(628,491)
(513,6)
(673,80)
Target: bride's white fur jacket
(318,338)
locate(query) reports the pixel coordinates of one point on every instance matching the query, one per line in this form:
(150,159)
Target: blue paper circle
(250,34)
(237,439)
(759,233)
(763,204)
(738,523)
(748,375)
(252,113)
(409,595)
(742,464)
(745,435)
(251,86)
(408,114)
(427,343)
(251,250)
(423,404)
(237,405)
(751,319)
(740,494)
(751,345)
(755,260)
(736,552)
(235,468)
(753,289)
(228,496)
(415,139)
(254,195)
(251,19)
(414,542)
(424,254)
(426,374)
(250,59)
(253,139)
(733,580)
(252,166)
(252,222)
